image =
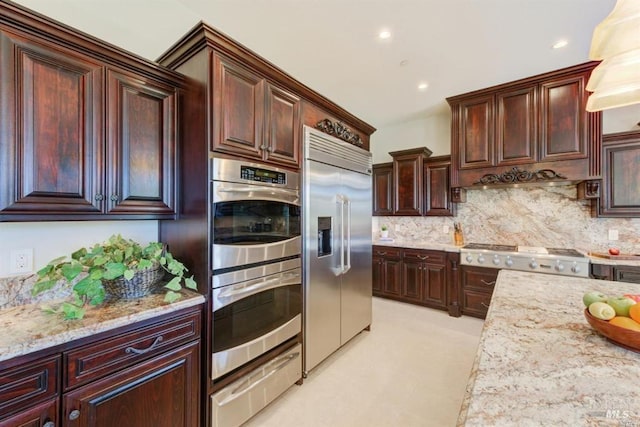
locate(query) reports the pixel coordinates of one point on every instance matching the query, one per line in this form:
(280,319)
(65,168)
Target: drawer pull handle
(145,350)
(488,283)
(74,415)
(423,257)
(484,305)
(382,253)
(49,424)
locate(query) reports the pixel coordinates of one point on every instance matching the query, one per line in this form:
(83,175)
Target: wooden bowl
(620,336)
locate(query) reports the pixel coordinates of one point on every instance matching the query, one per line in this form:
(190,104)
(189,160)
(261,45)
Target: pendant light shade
(615,82)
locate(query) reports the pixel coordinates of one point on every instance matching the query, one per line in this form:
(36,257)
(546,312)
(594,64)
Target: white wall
(50,240)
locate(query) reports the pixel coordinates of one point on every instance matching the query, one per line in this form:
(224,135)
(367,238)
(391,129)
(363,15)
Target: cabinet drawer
(418,255)
(475,303)
(479,278)
(387,252)
(24,386)
(96,360)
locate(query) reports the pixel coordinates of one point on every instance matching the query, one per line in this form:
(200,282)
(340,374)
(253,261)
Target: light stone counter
(539,362)
(609,261)
(417,244)
(27,328)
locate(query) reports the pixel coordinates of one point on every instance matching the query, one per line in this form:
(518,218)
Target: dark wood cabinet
(143,374)
(252,117)
(411,275)
(141,145)
(88,131)
(618,273)
(620,176)
(537,123)
(437,178)
(476,289)
(387,271)
(383,189)
(160,391)
(408,181)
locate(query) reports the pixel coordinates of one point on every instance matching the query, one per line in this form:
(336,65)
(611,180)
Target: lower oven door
(254,316)
(242,399)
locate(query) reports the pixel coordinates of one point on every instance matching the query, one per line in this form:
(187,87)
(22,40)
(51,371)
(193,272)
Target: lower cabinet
(410,275)
(143,375)
(618,273)
(162,391)
(476,284)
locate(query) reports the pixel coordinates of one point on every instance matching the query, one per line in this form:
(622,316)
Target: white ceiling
(332,45)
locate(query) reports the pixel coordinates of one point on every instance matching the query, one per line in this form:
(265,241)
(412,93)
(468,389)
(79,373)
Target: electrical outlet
(445,229)
(613,234)
(396,227)
(21,261)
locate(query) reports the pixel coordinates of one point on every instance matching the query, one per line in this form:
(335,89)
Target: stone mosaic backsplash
(533,216)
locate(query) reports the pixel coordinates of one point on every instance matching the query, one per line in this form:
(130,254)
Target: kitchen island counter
(540,363)
(28,328)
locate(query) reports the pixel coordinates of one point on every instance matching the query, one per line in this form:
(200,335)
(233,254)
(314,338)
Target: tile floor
(410,370)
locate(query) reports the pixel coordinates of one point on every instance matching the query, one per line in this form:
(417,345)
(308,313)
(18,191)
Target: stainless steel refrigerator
(337,244)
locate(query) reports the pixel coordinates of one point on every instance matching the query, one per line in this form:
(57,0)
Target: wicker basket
(141,284)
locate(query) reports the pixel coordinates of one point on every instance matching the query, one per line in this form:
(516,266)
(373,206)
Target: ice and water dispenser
(324,236)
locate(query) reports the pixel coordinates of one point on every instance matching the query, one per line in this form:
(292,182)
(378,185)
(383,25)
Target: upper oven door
(254,223)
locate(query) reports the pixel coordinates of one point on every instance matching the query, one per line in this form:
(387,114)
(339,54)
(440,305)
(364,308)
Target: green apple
(602,310)
(621,305)
(593,296)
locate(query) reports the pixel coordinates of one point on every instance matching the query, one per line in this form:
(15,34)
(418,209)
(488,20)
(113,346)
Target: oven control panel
(263,175)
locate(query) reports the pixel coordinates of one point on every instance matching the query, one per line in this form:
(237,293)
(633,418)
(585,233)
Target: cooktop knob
(480,259)
(533,263)
(469,258)
(496,259)
(559,267)
(508,262)
(575,268)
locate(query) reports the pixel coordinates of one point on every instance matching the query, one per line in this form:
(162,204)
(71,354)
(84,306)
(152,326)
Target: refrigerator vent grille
(327,149)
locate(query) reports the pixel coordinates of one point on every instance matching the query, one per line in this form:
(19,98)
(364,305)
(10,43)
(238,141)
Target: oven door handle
(228,192)
(234,293)
(252,381)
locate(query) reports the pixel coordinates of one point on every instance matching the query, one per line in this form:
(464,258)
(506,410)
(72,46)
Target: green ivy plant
(115,258)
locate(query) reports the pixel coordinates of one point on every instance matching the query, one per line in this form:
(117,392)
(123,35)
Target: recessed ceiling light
(423,86)
(560,44)
(404,62)
(384,34)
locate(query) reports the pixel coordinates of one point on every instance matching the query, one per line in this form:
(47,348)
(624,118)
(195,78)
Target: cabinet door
(37,416)
(163,391)
(412,279)
(516,126)
(435,285)
(283,127)
(238,109)
(142,144)
(50,132)
(392,277)
(477,287)
(377,277)
(408,183)
(621,175)
(383,189)
(476,132)
(437,175)
(563,118)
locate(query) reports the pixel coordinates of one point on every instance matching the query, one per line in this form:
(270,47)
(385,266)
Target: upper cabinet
(241,105)
(437,198)
(408,181)
(383,189)
(252,117)
(620,176)
(531,129)
(87,131)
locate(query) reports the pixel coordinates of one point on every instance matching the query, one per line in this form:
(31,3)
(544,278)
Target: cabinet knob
(114,197)
(99,197)
(270,149)
(49,424)
(263,147)
(423,257)
(74,415)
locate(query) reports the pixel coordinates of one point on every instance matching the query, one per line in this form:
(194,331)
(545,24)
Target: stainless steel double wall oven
(256,284)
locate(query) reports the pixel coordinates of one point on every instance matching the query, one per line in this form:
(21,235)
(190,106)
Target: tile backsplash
(533,216)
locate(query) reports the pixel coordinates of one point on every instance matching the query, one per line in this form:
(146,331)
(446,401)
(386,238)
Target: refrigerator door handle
(340,202)
(347,267)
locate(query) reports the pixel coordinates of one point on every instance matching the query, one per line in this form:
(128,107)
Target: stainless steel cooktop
(559,261)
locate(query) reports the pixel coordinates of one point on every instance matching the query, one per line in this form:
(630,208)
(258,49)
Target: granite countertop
(27,328)
(613,261)
(540,363)
(417,244)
